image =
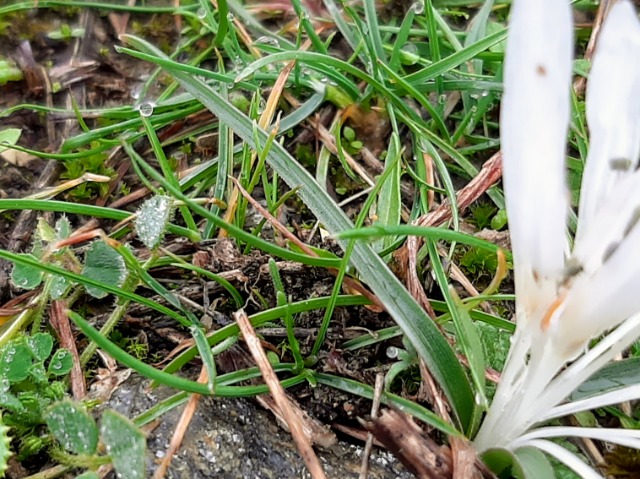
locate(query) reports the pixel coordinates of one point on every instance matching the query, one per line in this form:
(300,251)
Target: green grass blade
(424,231)
(467,336)
(456,59)
(389,206)
(78,278)
(405,405)
(417,326)
(261,318)
(206,355)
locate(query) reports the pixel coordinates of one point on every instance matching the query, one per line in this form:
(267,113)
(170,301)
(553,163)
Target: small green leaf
(41,345)
(500,461)
(525,463)
(59,286)
(73,427)
(5,451)
(10,136)
(15,361)
(61,363)
(499,220)
(531,463)
(24,276)
(9,72)
(348,133)
(125,444)
(9,402)
(153,219)
(63,228)
(38,374)
(103,264)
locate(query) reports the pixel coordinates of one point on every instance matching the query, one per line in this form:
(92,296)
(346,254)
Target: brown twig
(464,460)
(375,407)
(181,429)
(580,83)
(408,255)
(60,322)
(411,445)
(293,421)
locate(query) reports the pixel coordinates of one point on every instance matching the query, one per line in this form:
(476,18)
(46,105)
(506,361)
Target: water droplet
(410,55)
(442,99)
(485,93)
(146,109)
(230,17)
(202,13)
(135,91)
(268,41)
(392,352)
(418,7)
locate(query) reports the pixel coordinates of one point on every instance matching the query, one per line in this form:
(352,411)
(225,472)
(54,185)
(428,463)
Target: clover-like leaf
(61,363)
(10,402)
(40,345)
(73,427)
(59,286)
(15,361)
(125,444)
(25,276)
(104,264)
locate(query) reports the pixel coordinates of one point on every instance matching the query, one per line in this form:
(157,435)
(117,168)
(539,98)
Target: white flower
(567,296)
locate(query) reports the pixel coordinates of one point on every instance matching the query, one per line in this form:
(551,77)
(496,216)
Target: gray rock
(231,438)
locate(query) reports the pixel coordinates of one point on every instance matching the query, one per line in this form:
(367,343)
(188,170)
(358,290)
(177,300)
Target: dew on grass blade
(392,352)
(418,7)
(146,109)
(410,54)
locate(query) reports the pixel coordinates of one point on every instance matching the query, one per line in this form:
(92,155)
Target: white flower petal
(533,131)
(623,437)
(566,457)
(602,300)
(618,213)
(630,393)
(613,109)
(588,364)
